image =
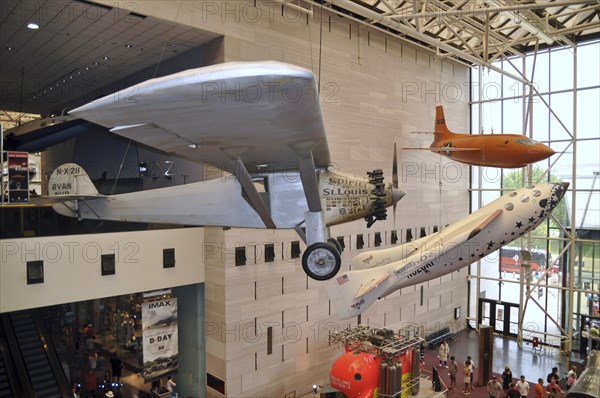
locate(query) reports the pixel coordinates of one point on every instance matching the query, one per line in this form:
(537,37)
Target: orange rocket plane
(493,150)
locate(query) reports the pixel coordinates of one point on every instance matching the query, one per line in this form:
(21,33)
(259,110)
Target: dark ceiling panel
(65,56)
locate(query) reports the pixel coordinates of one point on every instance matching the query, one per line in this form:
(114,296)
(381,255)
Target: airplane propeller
(395,181)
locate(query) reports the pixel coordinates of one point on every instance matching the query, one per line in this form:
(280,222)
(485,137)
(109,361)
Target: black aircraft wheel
(321,261)
(335,243)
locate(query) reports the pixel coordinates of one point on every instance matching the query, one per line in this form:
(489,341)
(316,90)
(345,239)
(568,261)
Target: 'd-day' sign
(160,344)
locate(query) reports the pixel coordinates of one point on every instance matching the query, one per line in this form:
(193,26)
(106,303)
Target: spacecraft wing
(370,285)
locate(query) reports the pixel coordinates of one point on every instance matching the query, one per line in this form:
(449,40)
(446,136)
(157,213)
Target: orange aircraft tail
(440,129)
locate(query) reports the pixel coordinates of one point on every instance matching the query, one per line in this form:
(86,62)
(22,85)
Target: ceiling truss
(478,31)
(70,58)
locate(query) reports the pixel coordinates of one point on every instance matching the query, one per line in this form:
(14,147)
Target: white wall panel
(72,270)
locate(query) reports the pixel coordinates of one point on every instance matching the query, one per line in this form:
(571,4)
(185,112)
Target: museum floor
(506,351)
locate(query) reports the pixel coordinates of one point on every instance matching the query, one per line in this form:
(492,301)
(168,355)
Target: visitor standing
(571,377)
(553,389)
(467,377)
(523,387)
(494,388)
(443,353)
(539,390)
(116,366)
(506,378)
(453,370)
(553,375)
(512,391)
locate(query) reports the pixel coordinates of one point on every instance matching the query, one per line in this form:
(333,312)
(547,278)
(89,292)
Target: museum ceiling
(80,48)
(85,45)
(480,31)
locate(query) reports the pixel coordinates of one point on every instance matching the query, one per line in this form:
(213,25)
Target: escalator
(33,355)
(6,389)
(9,383)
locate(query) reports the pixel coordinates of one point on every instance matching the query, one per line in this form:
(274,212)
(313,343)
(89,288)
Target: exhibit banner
(18,177)
(159,334)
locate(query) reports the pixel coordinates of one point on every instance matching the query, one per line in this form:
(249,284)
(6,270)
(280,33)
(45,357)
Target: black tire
(321,261)
(335,244)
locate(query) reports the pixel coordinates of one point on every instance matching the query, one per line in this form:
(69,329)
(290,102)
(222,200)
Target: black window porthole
(378,239)
(240,255)
(108,264)
(360,242)
(35,272)
(269,252)
(169,258)
(295,249)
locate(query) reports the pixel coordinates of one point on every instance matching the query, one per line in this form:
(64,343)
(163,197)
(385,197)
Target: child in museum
(453,370)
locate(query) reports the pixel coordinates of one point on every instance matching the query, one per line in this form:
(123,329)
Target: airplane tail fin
(440,129)
(70,181)
(353,292)
(68,184)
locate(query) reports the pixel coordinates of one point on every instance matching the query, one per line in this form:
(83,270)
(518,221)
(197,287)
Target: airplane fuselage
(493,150)
(458,245)
(219,202)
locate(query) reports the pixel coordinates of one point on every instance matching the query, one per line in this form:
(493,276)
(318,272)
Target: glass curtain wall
(554,294)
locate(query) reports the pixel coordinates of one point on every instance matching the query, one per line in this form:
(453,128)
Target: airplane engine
(378,202)
(356,374)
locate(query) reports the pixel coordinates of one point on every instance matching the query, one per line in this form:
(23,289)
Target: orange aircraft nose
(540,152)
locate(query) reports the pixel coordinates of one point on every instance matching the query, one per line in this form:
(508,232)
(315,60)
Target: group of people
(449,361)
(506,387)
(98,376)
(520,389)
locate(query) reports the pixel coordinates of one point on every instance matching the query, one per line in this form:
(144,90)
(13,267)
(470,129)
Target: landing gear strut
(321,261)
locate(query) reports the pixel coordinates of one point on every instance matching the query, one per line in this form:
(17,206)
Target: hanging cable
(167,42)
(112,191)
(320,47)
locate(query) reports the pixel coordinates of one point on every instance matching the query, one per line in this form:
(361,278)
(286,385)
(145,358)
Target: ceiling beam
(520,20)
(391,23)
(473,10)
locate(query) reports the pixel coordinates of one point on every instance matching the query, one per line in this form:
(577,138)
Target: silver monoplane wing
(261,111)
(242,117)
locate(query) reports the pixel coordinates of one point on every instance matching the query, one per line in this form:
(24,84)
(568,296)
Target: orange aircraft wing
(450,149)
(443,149)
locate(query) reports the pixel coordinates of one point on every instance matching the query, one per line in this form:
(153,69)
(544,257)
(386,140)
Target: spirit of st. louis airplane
(375,274)
(259,121)
(493,150)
